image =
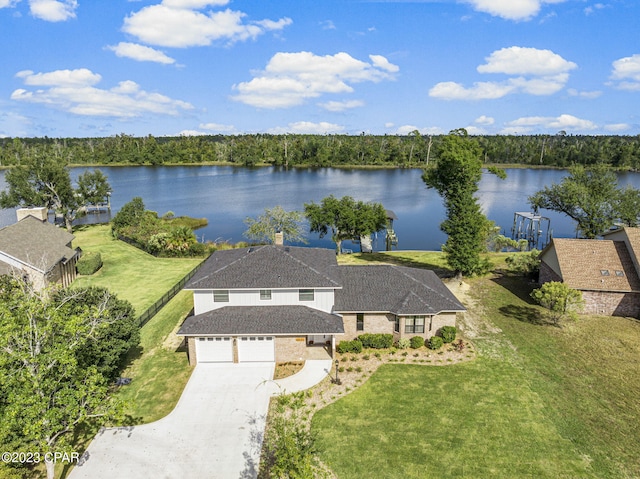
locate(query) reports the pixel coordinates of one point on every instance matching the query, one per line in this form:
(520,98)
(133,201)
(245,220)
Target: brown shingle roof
(40,245)
(596,265)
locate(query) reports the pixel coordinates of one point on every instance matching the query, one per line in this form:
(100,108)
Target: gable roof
(583,261)
(268,266)
(37,244)
(262,320)
(396,289)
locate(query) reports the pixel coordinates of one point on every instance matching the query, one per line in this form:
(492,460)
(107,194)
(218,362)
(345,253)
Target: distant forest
(414,150)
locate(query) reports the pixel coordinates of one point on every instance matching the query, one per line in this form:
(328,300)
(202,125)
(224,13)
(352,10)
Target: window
(359,322)
(265,294)
(305,295)
(414,324)
(604,272)
(220,296)
(619,273)
(430,323)
(396,327)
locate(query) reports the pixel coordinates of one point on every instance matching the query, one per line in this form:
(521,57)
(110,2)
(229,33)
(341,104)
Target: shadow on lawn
(438,269)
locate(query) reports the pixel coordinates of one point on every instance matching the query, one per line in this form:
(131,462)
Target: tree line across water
(413,150)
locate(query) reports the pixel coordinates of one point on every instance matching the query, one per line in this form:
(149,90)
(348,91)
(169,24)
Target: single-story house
(38,251)
(604,270)
(272,302)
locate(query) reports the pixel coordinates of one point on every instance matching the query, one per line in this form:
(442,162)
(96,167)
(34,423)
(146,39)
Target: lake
(226,195)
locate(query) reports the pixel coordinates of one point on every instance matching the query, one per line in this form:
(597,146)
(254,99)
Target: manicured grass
(158,368)
(127,271)
(434,260)
(539,401)
(161,372)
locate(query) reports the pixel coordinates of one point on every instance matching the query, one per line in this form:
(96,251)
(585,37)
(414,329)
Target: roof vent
(250,250)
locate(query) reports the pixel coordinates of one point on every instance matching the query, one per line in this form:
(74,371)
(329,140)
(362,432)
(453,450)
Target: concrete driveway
(215,431)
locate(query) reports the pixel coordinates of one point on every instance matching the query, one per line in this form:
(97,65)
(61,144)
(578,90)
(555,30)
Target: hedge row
(89,263)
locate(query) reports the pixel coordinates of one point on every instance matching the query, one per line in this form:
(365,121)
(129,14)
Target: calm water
(227,195)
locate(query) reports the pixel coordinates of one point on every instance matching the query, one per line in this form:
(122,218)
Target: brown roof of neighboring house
(596,265)
(40,245)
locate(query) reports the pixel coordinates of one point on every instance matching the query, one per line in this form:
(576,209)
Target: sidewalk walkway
(313,371)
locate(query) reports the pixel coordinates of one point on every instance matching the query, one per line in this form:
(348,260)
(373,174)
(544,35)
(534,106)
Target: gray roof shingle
(396,289)
(268,266)
(40,245)
(262,320)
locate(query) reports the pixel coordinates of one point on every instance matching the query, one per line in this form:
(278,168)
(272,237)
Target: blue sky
(80,68)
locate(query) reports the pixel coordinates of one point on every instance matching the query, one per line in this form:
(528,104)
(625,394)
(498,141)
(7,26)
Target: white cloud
(341,105)
(562,122)
(511,9)
(584,94)
(617,127)
(217,127)
(526,61)
(475,130)
(541,72)
(140,53)
(63,78)
(73,91)
(307,127)
(484,120)
(328,25)
(407,129)
(53,10)
(479,91)
(178,23)
(8,3)
(626,73)
(591,9)
(290,79)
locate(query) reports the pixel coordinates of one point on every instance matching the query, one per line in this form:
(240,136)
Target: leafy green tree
(345,218)
(627,206)
(131,214)
(587,195)
(46,389)
(524,263)
(93,187)
(108,348)
(455,177)
(43,181)
(274,220)
(560,300)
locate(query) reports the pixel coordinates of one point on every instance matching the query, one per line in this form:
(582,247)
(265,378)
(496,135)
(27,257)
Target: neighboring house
(37,250)
(271,303)
(605,271)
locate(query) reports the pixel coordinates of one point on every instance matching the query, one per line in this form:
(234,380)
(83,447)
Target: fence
(158,305)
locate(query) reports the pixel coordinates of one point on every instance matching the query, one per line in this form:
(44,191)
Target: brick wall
(373,323)
(611,304)
(547,274)
(191,351)
(290,348)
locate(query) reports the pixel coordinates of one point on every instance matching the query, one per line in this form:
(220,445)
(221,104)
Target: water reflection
(227,195)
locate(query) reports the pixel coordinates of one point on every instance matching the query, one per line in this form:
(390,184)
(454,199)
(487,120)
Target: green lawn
(161,372)
(539,401)
(129,272)
(159,367)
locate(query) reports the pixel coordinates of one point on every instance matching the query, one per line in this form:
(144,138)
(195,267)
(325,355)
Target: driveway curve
(215,430)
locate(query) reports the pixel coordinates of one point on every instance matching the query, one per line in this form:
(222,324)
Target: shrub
(376,341)
(435,342)
(354,346)
(448,334)
(416,342)
(89,263)
(403,343)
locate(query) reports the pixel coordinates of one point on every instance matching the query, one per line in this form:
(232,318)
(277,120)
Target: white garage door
(256,348)
(214,350)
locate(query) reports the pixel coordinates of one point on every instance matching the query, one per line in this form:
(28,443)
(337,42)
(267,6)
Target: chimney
(279,241)
(40,213)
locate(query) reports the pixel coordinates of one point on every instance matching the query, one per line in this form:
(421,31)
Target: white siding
(323,299)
